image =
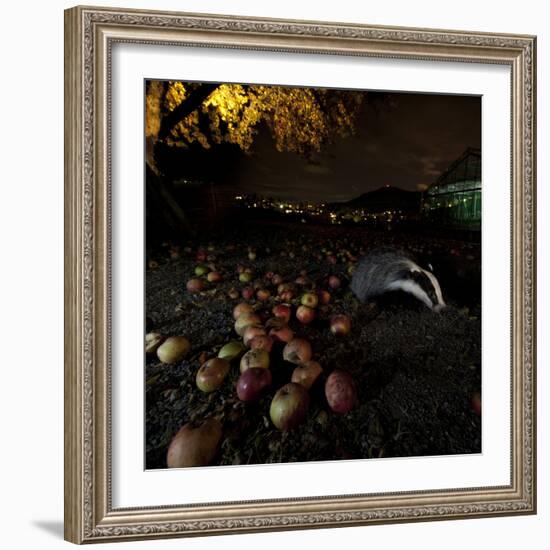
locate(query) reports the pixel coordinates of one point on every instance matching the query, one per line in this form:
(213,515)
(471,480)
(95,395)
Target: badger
(385,270)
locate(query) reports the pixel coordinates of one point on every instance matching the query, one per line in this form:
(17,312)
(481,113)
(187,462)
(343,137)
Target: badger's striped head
(423,285)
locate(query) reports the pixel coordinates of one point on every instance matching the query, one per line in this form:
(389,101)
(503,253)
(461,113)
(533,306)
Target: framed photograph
(300,274)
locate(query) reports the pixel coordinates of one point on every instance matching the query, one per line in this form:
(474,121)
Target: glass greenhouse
(454,199)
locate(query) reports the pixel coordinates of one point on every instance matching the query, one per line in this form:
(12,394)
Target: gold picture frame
(89,36)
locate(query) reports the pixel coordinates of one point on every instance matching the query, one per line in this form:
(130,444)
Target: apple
(263,294)
(245,277)
(301,280)
(305,314)
(250,332)
(276,279)
(195,446)
(334,282)
(255,358)
(340,391)
(233,293)
(195,285)
(247,292)
(306,373)
(201,270)
(331,259)
(324,296)
(289,406)
(252,255)
(309,299)
(152,341)
(173,349)
(297,351)
(211,374)
(340,324)
(214,276)
(245,320)
(231,350)
(252,382)
(262,342)
(282,311)
(241,308)
(281,333)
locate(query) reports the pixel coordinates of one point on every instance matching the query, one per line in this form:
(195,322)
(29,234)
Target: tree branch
(185,108)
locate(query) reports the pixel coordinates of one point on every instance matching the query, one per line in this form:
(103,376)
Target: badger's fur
(385,270)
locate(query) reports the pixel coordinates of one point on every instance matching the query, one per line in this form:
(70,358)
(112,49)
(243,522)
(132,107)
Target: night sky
(405,141)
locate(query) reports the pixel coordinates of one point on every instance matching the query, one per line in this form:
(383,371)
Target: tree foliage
(300,120)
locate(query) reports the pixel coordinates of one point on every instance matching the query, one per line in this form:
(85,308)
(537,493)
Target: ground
(415,371)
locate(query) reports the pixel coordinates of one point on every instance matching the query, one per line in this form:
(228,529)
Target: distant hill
(385,198)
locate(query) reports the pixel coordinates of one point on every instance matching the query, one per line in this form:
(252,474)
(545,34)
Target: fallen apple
(211,374)
(282,311)
(194,446)
(306,373)
(289,406)
(245,320)
(245,277)
(340,324)
(263,294)
(152,341)
(305,314)
(195,285)
(201,270)
(231,350)
(297,351)
(475,403)
(250,332)
(334,282)
(255,358)
(173,349)
(252,382)
(214,276)
(340,391)
(262,342)
(281,333)
(247,293)
(309,299)
(241,308)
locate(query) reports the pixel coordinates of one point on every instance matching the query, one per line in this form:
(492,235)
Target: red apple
(252,382)
(211,374)
(252,331)
(334,282)
(309,299)
(282,311)
(195,285)
(276,279)
(305,314)
(214,277)
(324,296)
(262,342)
(263,294)
(195,446)
(282,333)
(247,293)
(340,324)
(306,373)
(289,406)
(297,351)
(340,392)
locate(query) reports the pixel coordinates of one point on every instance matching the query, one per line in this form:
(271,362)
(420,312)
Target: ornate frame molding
(89,34)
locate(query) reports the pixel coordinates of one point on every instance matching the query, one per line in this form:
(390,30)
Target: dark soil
(415,370)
